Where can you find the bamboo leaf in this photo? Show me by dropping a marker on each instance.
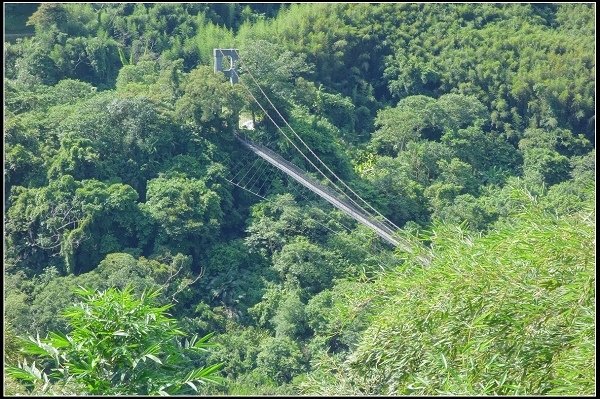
(154, 358)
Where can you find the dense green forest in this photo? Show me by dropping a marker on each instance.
(133, 266)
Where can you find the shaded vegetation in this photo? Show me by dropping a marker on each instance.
(469, 126)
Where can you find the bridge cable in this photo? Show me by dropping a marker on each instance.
(349, 230)
(264, 170)
(391, 231)
(311, 151)
(266, 199)
(249, 169)
(358, 207)
(406, 248)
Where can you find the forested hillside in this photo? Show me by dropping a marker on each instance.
(136, 267)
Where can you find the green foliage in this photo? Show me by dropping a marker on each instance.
(208, 113)
(39, 97)
(467, 211)
(48, 15)
(396, 192)
(35, 66)
(546, 153)
(91, 59)
(235, 277)
(307, 266)
(144, 72)
(56, 220)
(35, 304)
(274, 69)
(119, 344)
(562, 140)
(160, 81)
(467, 52)
(338, 109)
(277, 221)
(185, 211)
(337, 319)
(499, 314)
(422, 117)
(546, 166)
(468, 125)
(488, 153)
(129, 135)
(233, 351)
(405, 123)
(11, 344)
(289, 319)
(322, 137)
(280, 359)
(575, 18)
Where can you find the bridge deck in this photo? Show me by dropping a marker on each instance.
(324, 192)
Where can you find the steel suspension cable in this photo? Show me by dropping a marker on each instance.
(358, 206)
(266, 199)
(276, 171)
(311, 151)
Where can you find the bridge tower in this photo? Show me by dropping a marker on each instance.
(219, 55)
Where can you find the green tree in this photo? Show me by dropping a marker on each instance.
(187, 213)
(131, 136)
(74, 219)
(280, 359)
(36, 66)
(119, 345)
(48, 15)
(322, 137)
(290, 319)
(407, 122)
(275, 222)
(421, 117)
(511, 311)
(421, 160)
(392, 190)
(546, 166)
(307, 265)
(234, 278)
(209, 103)
(275, 71)
(91, 59)
(486, 152)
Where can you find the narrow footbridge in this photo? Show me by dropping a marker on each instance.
(324, 192)
(340, 195)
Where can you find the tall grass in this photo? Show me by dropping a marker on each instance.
(509, 313)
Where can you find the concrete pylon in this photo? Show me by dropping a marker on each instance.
(219, 54)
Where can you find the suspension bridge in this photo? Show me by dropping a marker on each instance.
(336, 192)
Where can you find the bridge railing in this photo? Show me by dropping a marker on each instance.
(315, 183)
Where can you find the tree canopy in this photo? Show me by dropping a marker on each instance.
(469, 128)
